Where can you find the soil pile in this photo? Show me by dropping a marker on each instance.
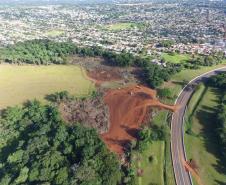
(128, 110)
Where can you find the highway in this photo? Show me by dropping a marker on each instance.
(182, 176)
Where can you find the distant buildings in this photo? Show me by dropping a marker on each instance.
(184, 23)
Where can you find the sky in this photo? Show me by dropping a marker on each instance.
(68, 1)
(48, 1)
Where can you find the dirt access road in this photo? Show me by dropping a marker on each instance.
(182, 176)
(129, 106)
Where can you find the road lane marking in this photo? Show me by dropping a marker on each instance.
(173, 125)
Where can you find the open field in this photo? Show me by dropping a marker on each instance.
(20, 83)
(152, 170)
(54, 33)
(196, 98)
(159, 170)
(167, 171)
(202, 146)
(175, 58)
(120, 26)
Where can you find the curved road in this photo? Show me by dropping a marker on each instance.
(182, 176)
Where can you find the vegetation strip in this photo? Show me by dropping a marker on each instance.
(205, 135)
(194, 102)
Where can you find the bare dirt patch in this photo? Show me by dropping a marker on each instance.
(102, 75)
(128, 111)
(99, 70)
(129, 105)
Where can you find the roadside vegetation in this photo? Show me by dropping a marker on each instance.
(204, 136)
(219, 82)
(162, 118)
(167, 93)
(148, 158)
(180, 79)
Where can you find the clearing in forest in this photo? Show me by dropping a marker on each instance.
(121, 26)
(129, 108)
(176, 58)
(102, 75)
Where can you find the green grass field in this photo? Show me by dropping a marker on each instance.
(120, 26)
(202, 146)
(197, 96)
(175, 58)
(20, 83)
(54, 33)
(176, 84)
(159, 171)
(166, 171)
(162, 172)
(153, 171)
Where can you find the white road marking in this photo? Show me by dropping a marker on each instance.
(174, 160)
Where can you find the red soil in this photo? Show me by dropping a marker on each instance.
(102, 75)
(128, 109)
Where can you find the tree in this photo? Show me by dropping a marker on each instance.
(46, 150)
(144, 134)
(164, 93)
(84, 174)
(22, 176)
(219, 81)
(166, 43)
(59, 97)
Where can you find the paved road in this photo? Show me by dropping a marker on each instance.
(182, 177)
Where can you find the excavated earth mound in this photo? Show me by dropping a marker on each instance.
(128, 110)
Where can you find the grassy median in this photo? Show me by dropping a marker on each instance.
(159, 170)
(201, 143)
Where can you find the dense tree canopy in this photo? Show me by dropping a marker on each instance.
(47, 52)
(166, 43)
(37, 52)
(219, 81)
(209, 60)
(36, 147)
(155, 75)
